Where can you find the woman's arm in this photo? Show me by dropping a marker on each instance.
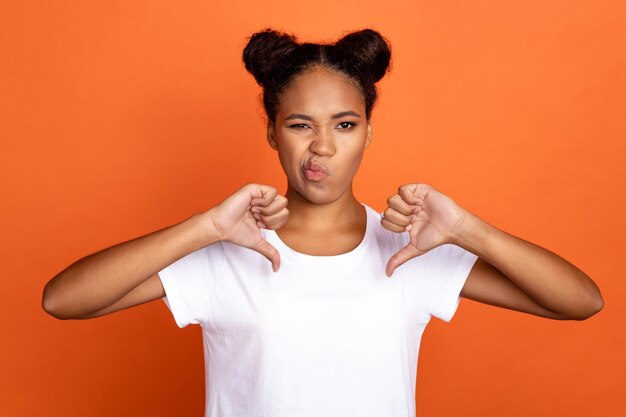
(104, 278)
(510, 272)
(125, 275)
(519, 275)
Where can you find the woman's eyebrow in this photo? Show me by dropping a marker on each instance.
(345, 113)
(334, 116)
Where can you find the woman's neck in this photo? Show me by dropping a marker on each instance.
(305, 215)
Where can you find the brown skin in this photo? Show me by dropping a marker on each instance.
(319, 210)
(537, 281)
(126, 274)
(509, 273)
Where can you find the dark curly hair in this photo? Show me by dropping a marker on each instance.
(276, 58)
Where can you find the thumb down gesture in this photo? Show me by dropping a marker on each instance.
(431, 218)
(239, 218)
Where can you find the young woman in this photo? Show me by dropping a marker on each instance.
(312, 303)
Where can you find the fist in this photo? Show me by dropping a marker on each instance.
(239, 218)
(430, 217)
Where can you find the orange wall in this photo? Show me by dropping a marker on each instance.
(119, 118)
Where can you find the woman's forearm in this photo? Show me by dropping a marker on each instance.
(100, 279)
(547, 278)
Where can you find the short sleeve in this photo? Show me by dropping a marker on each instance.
(189, 284)
(445, 270)
(434, 280)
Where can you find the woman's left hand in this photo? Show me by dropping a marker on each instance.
(430, 217)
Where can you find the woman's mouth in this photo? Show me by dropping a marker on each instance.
(314, 171)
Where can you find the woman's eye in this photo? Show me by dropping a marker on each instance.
(298, 126)
(346, 125)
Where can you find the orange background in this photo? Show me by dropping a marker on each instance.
(119, 118)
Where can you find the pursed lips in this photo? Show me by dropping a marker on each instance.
(316, 167)
(314, 171)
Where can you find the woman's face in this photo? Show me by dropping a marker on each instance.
(320, 133)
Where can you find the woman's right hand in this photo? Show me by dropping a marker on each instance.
(240, 216)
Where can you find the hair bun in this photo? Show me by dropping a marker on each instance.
(365, 52)
(275, 58)
(265, 50)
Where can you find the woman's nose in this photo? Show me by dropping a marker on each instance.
(323, 143)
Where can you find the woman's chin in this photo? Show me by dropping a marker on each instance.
(319, 195)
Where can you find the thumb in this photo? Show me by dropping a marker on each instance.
(270, 252)
(403, 255)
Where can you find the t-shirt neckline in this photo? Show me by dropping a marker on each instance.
(304, 259)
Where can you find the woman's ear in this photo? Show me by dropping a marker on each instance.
(369, 134)
(271, 135)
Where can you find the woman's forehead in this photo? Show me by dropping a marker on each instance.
(322, 92)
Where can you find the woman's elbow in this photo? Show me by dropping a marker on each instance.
(590, 308)
(52, 305)
(599, 305)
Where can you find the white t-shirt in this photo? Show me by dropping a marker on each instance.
(328, 336)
